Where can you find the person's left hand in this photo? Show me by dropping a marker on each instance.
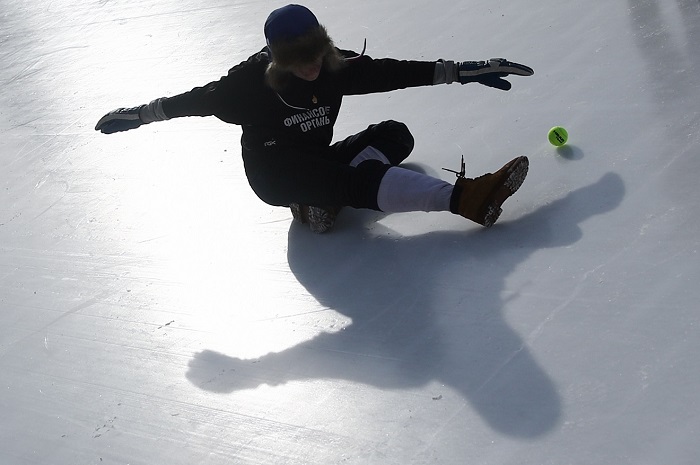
(491, 72)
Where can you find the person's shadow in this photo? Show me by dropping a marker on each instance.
(424, 308)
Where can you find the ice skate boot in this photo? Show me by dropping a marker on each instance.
(319, 219)
(480, 199)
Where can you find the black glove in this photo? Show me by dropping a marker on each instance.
(121, 119)
(491, 72)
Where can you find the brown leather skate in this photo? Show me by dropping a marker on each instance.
(480, 199)
(319, 219)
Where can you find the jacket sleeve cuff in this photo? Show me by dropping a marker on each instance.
(153, 111)
(445, 72)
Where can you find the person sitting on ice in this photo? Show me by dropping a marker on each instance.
(287, 98)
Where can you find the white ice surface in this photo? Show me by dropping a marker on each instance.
(154, 311)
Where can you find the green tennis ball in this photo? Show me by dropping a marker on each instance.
(558, 136)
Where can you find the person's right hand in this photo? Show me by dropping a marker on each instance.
(121, 119)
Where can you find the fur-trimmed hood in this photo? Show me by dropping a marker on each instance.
(300, 51)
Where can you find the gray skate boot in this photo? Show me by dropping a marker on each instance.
(319, 219)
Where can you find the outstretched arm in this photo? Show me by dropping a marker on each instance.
(365, 75)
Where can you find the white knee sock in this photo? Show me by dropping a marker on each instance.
(370, 153)
(402, 190)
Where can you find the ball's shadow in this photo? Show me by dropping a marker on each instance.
(570, 152)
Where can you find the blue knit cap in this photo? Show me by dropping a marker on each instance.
(288, 23)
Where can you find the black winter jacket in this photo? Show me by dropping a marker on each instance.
(302, 116)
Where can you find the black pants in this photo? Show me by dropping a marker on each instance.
(324, 178)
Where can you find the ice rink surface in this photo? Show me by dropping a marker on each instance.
(154, 311)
